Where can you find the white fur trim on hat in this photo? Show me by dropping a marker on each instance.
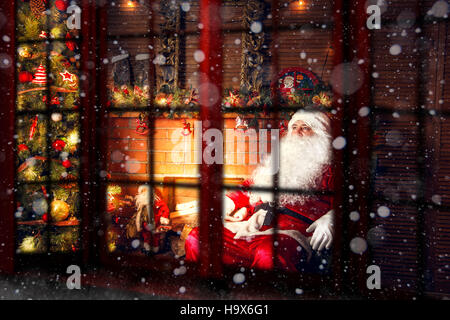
(317, 120)
(142, 56)
(119, 57)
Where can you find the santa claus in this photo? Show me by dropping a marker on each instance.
(258, 232)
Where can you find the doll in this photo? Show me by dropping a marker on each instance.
(149, 223)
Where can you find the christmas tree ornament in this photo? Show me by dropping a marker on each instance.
(24, 52)
(43, 35)
(45, 217)
(22, 147)
(59, 210)
(55, 101)
(33, 128)
(40, 206)
(241, 123)
(32, 244)
(142, 126)
(192, 99)
(56, 33)
(38, 7)
(56, 117)
(58, 145)
(125, 89)
(25, 76)
(61, 5)
(186, 128)
(40, 77)
(71, 45)
(233, 99)
(66, 163)
(73, 138)
(66, 76)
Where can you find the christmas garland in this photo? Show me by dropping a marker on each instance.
(233, 100)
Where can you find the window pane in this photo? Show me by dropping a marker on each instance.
(32, 155)
(31, 75)
(395, 153)
(393, 242)
(128, 72)
(128, 153)
(139, 228)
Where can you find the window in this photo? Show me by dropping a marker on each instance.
(47, 130)
(115, 134)
(157, 70)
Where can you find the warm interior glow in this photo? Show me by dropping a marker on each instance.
(131, 3)
(300, 5)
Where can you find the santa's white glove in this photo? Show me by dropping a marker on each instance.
(163, 220)
(323, 231)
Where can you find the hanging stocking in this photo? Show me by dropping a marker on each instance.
(142, 68)
(121, 70)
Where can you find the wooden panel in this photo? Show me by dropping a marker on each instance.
(395, 157)
(394, 76)
(126, 20)
(439, 229)
(394, 247)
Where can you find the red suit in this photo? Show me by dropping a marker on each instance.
(160, 209)
(258, 251)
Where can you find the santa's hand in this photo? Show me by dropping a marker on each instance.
(163, 220)
(323, 231)
(238, 216)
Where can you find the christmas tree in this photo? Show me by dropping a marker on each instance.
(47, 128)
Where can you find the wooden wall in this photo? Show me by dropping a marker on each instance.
(410, 146)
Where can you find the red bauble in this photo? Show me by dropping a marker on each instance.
(45, 217)
(58, 145)
(61, 5)
(66, 163)
(70, 44)
(25, 76)
(22, 147)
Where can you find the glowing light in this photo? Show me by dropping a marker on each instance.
(300, 4)
(131, 4)
(162, 101)
(73, 138)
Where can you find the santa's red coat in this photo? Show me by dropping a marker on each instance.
(258, 251)
(161, 210)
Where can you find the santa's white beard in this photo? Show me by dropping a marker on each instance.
(302, 161)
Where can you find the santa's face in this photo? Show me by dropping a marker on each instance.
(300, 128)
(303, 154)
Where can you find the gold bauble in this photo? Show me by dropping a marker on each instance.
(56, 33)
(59, 210)
(24, 52)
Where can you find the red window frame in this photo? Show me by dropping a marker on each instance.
(93, 197)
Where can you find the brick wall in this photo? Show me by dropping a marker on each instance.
(174, 155)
